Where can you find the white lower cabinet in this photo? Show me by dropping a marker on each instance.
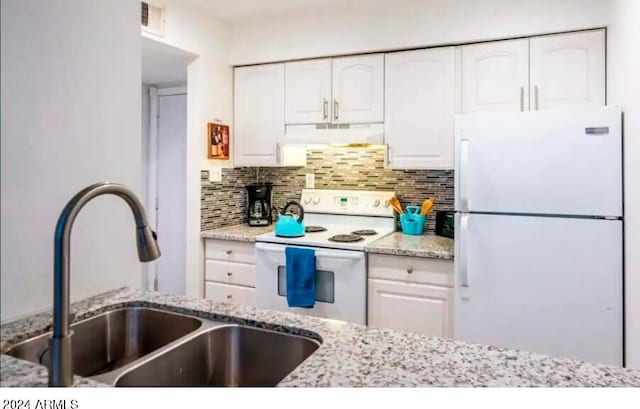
(232, 294)
(230, 272)
(411, 294)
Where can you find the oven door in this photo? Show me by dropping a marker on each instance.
(341, 279)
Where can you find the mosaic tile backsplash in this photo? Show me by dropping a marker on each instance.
(225, 203)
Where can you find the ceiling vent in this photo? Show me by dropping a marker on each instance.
(152, 19)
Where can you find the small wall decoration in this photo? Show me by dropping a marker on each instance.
(218, 141)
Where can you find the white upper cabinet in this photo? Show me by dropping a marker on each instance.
(568, 70)
(495, 76)
(308, 92)
(419, 108)
(358, 89)
(259, 118)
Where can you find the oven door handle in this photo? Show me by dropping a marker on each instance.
(275, 249)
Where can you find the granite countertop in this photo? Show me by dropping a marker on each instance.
(239, 232)
(399, 244)
(350, 354)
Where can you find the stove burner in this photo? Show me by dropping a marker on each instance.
(345, 238)
(367, 232)
(314, 229)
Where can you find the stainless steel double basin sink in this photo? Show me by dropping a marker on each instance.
(149, 347)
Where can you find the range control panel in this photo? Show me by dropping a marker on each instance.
(353, 202)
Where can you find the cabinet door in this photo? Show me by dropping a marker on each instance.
(568, 70)
(417, 308)
(495, 76)
(358, 89)
(420, 105)
(308, 91)
(258, 115)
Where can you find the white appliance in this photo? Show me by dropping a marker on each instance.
(538, 252)
(341, 267)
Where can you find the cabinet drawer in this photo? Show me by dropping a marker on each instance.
(418, 308)
(411, 269)
(232, 294)
(234, 251)
(230, 273)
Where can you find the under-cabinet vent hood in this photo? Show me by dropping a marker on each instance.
(335, 134)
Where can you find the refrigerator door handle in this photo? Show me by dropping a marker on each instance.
(464, 175)
(461, 258)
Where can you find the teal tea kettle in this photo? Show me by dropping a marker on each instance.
(289, 226)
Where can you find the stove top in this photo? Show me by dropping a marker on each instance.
(322, 239)
(341, 219)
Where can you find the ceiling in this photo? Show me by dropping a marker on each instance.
(163, 64)
(233, 10)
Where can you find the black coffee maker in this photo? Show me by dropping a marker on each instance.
(260, 204)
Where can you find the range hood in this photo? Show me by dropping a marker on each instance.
(335, 134)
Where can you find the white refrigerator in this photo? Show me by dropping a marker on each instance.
(538, 240)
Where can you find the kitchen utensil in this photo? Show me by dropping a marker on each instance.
(289, 226)
(426, 206)
(395, 203)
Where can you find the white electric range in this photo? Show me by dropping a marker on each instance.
(340, 224)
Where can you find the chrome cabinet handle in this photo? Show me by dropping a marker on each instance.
(229, 251)
(278, 153)
(537, 97)
(325, 108)
(521, 98)
(388, 155)
(335, 110)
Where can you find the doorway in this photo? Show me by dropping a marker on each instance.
(164, 139)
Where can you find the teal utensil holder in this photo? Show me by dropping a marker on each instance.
(412, 222)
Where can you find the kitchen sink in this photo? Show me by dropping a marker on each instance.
(113, 339)
(232, 355)
(148, 347)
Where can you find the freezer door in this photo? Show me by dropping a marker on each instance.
(541, 284)
(554, 162)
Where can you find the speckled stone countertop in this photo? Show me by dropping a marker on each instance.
(350, 355)
(240, 232)
(399, 244)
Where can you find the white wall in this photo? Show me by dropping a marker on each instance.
(209, 97)
(70, 117)
(624, 90)
(381, 25)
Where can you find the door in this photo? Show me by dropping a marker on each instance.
(420, 105)
(542, 284)
(358, 89)
(340, 283)
(553, 162)
(172, 193)
(418, 308)
(259, 115)
(308, 92)
(495, 76)
(568, 70)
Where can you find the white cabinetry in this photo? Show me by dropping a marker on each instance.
(411, 294)
(259, 118)
(358, 89)
(568, 70)
(230, 272)
(495, 76)
(419, 108)
(308, 92)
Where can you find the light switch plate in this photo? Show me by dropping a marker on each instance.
(310, 180)
(215, 175)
